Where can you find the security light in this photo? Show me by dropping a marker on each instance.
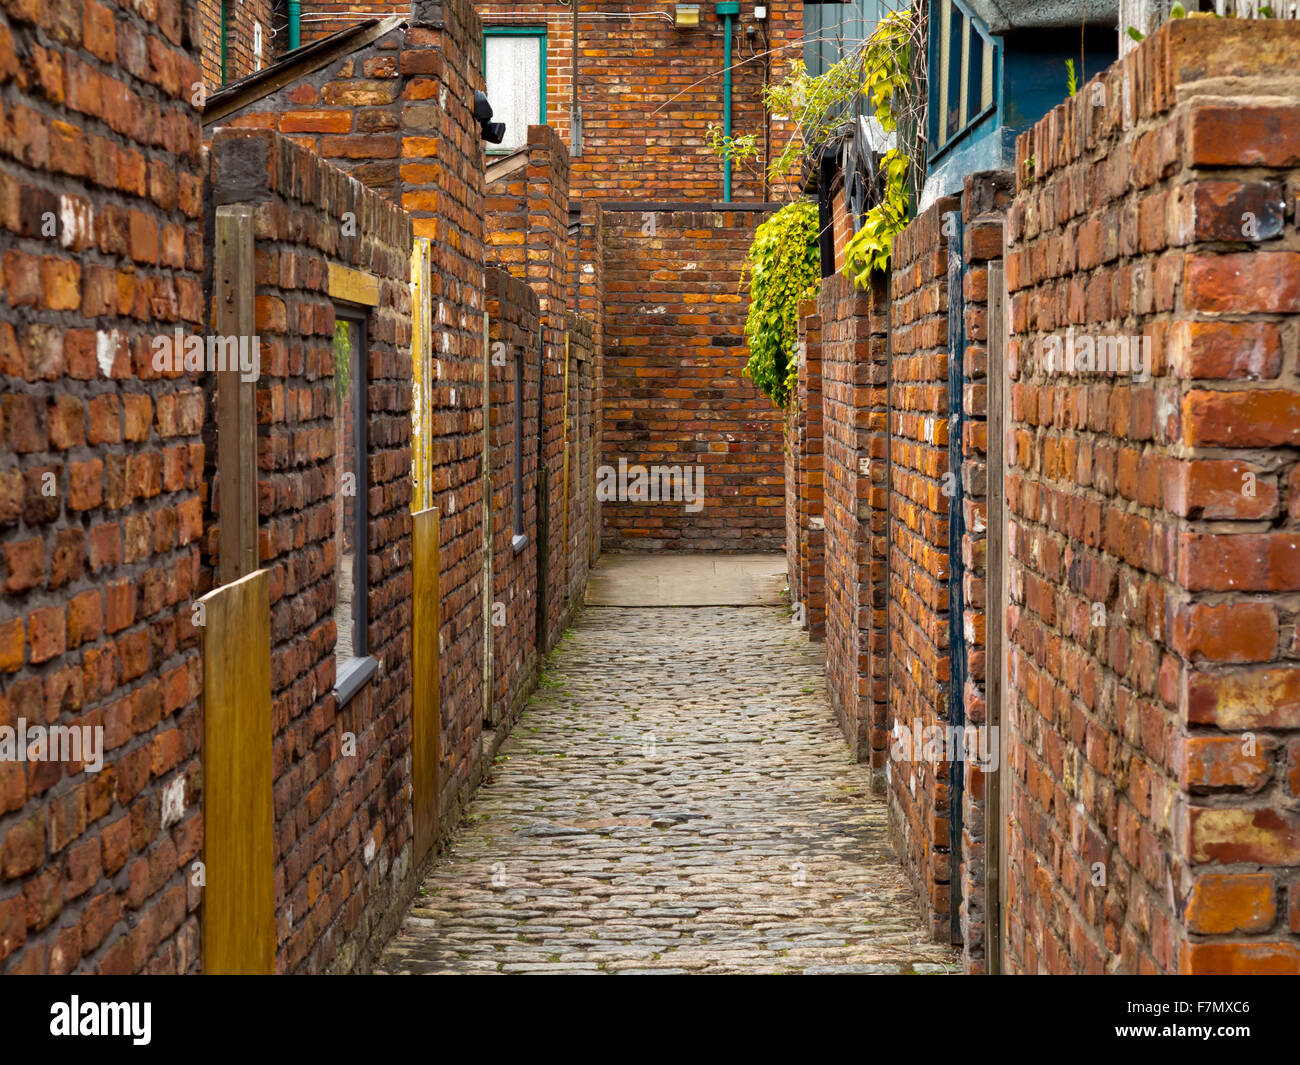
(686, 16)
(760, 12)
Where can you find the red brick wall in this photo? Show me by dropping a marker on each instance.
(580, 442)
(241, 19)
(1131, 742)
(790, 470)
(809, 473)
(588, 258)
(514, 319)
(100, 474)
(919, 663)
(649, 91)
(396, 114)
(853, 326)
(342, 824)
(673, 389)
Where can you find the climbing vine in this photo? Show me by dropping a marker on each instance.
(784, 260)
(888, 84)
(783, 267)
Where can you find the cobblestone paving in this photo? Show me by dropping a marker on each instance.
(676, 798)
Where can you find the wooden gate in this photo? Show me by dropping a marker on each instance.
(238, 855)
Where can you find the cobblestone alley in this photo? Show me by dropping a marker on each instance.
(676, 797)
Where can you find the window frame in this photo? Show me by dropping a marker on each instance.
(937, 116)
(500, 30)
(356, 672)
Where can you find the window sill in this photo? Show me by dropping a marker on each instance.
(519, 542)
(353, 679)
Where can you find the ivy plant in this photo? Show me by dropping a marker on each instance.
(784, 267)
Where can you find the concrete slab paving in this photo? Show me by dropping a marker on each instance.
(671, 579)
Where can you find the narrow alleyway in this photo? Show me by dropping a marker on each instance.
(675, 798)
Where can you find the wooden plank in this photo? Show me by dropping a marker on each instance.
(236, 398)
(426, 732)
(238, 855)
(354, 286)
(995, 618)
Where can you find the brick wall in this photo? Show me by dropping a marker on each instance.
(243, 21)
(853, 326)
(1156, 809)
(790, 470)
(342, 824)
(579, 536)
(649, 91)
(588, 258)
(919, 661)
(100, 507)
(809, 473)
(673, 390)
(514, 318)
(396, 114)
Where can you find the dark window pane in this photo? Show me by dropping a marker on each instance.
(975, 75)
(955, 36)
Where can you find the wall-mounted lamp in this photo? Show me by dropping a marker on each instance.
(686, 16)
(760, 12)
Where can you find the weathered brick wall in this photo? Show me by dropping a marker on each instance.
(673, 390)
(342, 824)
(919, 663)
(589, 299)
(243, 20)
(396, 114)
(100, 475)
(1156, 809)
(514, 322)
(790, 469)
(648, 93)
(505, 229)
(853, 327)
(580, 448)
(809, 472)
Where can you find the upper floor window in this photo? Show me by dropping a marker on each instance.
(962, 62)
(514, 64)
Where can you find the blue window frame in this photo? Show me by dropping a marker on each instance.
(963, 74)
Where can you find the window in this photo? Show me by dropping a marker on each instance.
(352, 667)
(962, 60)
(518, 420)
(514, 62)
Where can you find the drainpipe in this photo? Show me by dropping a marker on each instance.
(295, 18)
(728, 11)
